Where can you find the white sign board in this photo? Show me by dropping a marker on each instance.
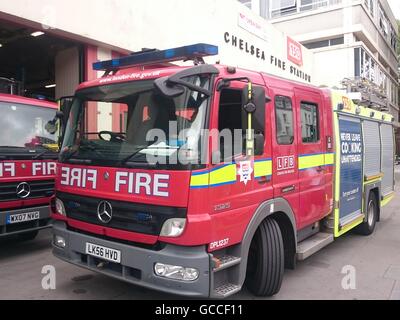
(244, 39)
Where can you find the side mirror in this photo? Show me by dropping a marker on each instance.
(63, 114)
(60, 115)
(65, 107)
(166, 89)
(259, 140)
(256, 106)
(51, 126)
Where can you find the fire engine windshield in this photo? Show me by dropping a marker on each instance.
(136, 124)
(25, 131)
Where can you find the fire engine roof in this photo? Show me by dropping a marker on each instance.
(23, 100)
(134, 74)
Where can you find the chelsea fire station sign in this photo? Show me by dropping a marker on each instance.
(245, 39)
(258, 43)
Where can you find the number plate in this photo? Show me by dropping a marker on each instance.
(23, 217)
(103, 253)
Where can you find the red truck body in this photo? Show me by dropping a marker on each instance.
(232, 210)
(26, 183)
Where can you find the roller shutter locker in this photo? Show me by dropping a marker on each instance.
(372, 148)
(387, 159)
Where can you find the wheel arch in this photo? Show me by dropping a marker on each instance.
(376, 189)
(278, 209)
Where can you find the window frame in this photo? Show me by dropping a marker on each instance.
(316, 105)
(276, 120)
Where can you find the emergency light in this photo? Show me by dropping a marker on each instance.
(158, 56)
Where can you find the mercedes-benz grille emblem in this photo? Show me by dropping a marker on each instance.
(104, 211)
(23, 190)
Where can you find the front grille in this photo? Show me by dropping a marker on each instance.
(139, 218)
(39, 189)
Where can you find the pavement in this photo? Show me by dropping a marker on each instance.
(369, 268)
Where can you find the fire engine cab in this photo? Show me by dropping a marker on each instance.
(218, 177)
(28, 158)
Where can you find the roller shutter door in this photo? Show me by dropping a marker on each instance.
(372, 148)
(387, 159)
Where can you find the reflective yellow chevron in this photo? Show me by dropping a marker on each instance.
(227, 174)
(262, 168)
(316, 160)
(200, 180)
(223, 175)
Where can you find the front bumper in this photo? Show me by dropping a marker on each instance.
(9, 229)
(137, 264)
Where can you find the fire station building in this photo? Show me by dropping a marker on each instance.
(48, 48)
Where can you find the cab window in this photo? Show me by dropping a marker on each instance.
(309, 122)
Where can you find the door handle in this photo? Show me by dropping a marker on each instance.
(288, 189)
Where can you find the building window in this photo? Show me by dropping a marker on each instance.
(282, 7)
(371, 6)
(357, 62)
(284, 120)
(247, 3)
(383, 22)
(325, 43)
(309, 122)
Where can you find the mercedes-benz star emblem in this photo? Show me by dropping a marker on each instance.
(23, 190)
(104, 211)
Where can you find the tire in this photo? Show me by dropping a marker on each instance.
(28, 236)
(368, 227)
(266, 261)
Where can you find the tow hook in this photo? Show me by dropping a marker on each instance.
(102, 265)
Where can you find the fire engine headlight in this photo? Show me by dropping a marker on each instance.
(176, 272)
(59, 242)
(173, 228)
(60, 209)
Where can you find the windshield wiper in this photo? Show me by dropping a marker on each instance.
(84, 145)
(12, 147)
(47, 151)
(136, 152)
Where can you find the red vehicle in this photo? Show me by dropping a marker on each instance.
(28, 154)
(185, 211)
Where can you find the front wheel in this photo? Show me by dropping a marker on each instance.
(368, 227)
(265, 266)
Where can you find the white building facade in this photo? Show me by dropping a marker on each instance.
(354, 43)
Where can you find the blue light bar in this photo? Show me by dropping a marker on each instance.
(153, 57)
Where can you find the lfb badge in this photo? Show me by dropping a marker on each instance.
(245, 171)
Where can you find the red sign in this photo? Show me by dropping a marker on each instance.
(295, 54)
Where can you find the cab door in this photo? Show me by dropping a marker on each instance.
(284, 147)
(311, 156)
(237, 184)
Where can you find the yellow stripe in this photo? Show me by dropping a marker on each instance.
(223, 175)
(374, 177)
(387, 199)
(262, 168)
(349, 227)
(329, 159)
(200, 180)
(312, 161)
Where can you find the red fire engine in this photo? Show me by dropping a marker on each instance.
(28, 157)
(164, 203)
